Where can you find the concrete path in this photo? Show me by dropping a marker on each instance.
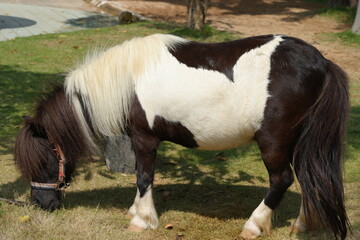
(19, 20)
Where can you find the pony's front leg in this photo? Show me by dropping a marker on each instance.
(143, 211)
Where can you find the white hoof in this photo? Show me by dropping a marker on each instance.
(259, 221)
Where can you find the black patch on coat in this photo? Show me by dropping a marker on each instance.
(145, 141)
(163, 129)
(219, 57)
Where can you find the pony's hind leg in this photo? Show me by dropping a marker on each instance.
(299, 224)
(143, 211)
(276, 152)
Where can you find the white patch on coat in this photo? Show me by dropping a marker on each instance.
(145, 216)
(219, 113)
(259, 220)
(105, 81)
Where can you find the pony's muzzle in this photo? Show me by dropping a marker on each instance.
(46, 200)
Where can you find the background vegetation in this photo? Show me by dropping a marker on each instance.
(210, 197)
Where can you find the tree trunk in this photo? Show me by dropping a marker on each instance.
(339, 3)
(356, 25)
(353, 3)
(197, 13)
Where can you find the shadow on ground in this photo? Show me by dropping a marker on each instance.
(94, 21)
(15, 22)
(216, 201)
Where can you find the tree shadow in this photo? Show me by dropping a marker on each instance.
(13, 189)
(206, 167)
(8, 22)
(294, 10)
(94, 21)
(261, 7)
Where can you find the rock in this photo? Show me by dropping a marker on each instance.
(119, 155)
(127, 17)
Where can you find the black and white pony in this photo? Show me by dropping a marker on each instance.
(275, 90)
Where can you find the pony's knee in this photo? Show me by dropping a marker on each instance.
(259, 221)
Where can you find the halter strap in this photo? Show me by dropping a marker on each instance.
(44, 186)
(61, 184)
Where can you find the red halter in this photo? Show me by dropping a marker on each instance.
(61, 184)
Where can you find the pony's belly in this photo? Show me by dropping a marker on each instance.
(219, 133)
(223, 143)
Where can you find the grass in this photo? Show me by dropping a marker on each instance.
(346, 16)
(346, 37)
(209, 198)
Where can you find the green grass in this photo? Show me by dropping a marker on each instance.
(346, 16)
(209, 198)
(347, 38)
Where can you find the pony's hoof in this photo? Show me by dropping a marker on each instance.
(134, 228)
(247, 234)
(298, 227)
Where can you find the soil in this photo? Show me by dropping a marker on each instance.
(257, 17)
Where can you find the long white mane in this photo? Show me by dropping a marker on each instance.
(104, 84)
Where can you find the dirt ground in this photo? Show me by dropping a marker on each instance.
(257, 17)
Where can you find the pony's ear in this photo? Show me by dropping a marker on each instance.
(35, 127)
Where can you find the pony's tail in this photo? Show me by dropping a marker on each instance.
(318, 155)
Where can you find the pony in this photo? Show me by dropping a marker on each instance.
(275, 90)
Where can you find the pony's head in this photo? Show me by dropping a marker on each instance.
(39, 163)
(47, 148)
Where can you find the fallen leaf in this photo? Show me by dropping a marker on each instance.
(220, 156)
(24, 218)
(170, 163)
(169, 226)
(179, 236)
